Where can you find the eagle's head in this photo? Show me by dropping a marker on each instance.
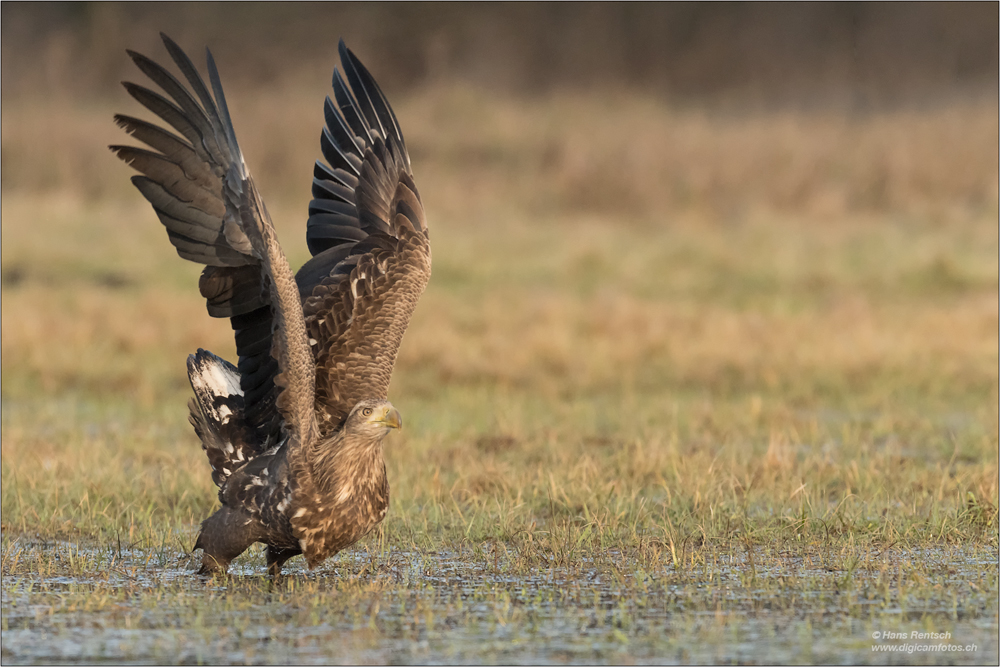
(374, 418)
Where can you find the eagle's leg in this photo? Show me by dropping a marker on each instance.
(276, 557)
(224, 536)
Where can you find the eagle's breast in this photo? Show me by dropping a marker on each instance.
(343, 505)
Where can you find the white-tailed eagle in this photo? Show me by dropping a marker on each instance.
(294, 431)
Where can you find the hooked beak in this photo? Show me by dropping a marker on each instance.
(392, 418)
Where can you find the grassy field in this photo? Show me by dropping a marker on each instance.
(685, 387)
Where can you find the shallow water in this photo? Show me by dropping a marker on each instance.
(485, 606)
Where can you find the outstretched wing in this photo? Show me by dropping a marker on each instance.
(372, 251)
(202, 192)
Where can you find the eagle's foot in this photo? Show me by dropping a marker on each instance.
(276, 557)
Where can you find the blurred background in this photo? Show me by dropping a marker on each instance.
(592, 173)
(822, 107)
(856, 54)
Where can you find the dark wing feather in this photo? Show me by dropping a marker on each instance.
(375, 104)
(201, 191)
(214, 144)
(372, 252)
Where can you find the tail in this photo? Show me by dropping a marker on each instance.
(217, 414)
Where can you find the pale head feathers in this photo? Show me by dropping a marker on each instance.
(374, 418)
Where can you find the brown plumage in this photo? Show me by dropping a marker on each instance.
(293, 432)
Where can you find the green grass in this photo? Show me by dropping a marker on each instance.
(629, 438)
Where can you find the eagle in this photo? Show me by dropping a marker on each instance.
(294, 431)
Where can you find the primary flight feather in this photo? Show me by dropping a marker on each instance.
(294, 431)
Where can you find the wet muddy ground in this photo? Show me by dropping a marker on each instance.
(481, 605)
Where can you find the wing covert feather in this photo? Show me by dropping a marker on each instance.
(372, 252)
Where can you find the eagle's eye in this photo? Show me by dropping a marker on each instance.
(366, 412)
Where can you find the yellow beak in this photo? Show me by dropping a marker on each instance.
(392, 418)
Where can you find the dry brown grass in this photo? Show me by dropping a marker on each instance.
(483, 159)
